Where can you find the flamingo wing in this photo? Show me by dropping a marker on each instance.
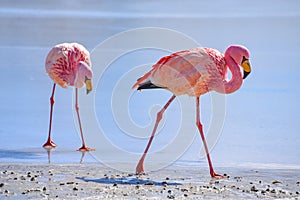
(183, 72)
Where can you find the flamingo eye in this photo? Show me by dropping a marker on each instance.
(244, 59)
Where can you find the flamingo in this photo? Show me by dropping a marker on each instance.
(195, 72)
(68, 64)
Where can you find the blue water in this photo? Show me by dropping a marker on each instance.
(262, 118)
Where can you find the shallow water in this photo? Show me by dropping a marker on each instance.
(261, 124)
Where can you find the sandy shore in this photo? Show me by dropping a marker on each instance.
(95, 181)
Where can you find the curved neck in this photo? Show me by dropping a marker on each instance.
(236, 80)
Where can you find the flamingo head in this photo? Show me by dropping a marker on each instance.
(84, 76)
(240, 55)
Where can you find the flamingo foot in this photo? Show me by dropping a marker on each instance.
(49, 144)
(217, 176)
(140, 169)
(85, 148)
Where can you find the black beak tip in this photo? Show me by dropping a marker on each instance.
(246, 74)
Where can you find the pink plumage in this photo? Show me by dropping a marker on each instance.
(62, 62)
(68, 64)
(195, 72)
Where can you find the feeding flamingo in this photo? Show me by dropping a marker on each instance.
(68, 64)
(195, 72)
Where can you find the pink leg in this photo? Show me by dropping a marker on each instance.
(199, 125)
(140, 166)
(84, 147)
(50, 143)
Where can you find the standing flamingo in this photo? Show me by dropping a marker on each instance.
(69, 64)
(195, 72)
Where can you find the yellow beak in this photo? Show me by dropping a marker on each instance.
(88, 85)
(247, 68)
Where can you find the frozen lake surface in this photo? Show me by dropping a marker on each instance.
(261, 126)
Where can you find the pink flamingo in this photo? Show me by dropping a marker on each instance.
(195, 72)
(69, 64)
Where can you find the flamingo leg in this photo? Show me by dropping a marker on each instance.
(140, 166)
(50, 143)
(84, 147)
(200, 128)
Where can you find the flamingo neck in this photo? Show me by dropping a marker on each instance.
(230, 86)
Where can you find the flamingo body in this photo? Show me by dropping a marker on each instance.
(68, 64)
(195, 72)
(62, 64)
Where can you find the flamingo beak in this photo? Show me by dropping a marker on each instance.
(247, 67)
(88, 85)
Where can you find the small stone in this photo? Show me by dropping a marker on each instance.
(171, 197)
(149, 183)
(169, 191)
(44, 188)
(253, 189)
(167, 178)
(61, 183)
(185, 195)
(273, 191)
(70, 183)
(297, 192)
(1, 184)
(32, 179)
(275, 182)
(137, 187)
(164, 183)
(6, 191)
(75, 188)
(115, 184)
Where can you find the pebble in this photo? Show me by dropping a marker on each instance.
(273, 191)
(1, 184)
(75, 189)
(253, 189)
(276, 181)
(171, 197)
(149, 183)
(164, 183)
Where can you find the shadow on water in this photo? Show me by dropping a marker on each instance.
(127, 181)
(14, 154)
